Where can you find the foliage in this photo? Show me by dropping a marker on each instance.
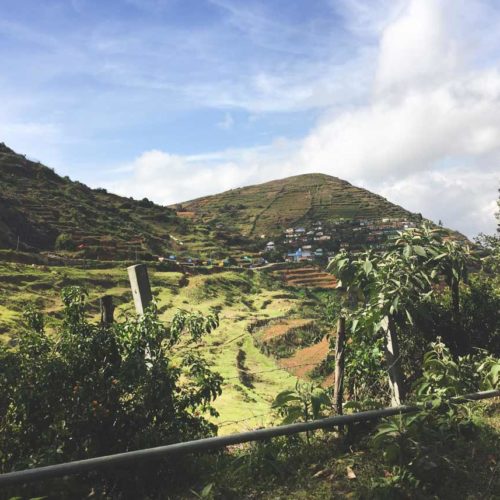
(64, 242)
(99, 390)
(306, 402)
(417, 445)
(388, 291)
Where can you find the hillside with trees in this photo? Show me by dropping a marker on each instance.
(39, 210)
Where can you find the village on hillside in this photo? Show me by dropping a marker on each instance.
(321, 240)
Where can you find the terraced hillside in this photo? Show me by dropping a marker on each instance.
(269, 208)
(307, 277)
(37, 206)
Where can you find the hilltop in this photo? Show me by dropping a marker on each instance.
(269, 208)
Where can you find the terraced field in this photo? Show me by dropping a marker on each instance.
(307, 277)
(271, 207)
(305, 360)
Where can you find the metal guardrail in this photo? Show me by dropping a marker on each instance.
(79, 466)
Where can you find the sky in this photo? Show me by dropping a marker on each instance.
(176, 99)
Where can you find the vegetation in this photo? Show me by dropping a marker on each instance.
(272, 207)
(40, 210)
(101, 389)
(233, 349)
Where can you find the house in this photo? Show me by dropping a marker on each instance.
(270, 246)
(319, 252)
(299, 255)
(300, 230)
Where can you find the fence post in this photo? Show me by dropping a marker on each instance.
(338, 388)
(141, 289)
(107, 309)
(392, 357)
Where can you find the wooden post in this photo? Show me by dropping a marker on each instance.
(338, 389)
(141, 289)
(392, 357)
(107, 309)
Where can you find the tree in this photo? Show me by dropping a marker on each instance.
(64, 242)
(103, 389)
(391, 286)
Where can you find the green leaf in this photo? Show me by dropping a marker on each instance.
(285, 397)
(367, 266)
(420, 250)
(205, 492)
(408, 315)
(294, 413)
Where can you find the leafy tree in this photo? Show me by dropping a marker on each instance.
(390, 288)
(64, 242)
(99, 390)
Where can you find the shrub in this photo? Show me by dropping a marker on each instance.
(64, 242)
(99, 390)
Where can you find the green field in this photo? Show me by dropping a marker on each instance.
(243, 297)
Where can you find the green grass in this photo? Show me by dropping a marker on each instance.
(239, 295)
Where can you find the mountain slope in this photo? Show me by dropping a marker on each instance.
(37, 205)
(271, 207)
(41, 211)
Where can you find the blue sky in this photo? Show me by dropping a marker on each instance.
(173, 99)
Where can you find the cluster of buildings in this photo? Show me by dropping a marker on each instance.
(322, 240)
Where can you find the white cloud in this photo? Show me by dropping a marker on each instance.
(428, 138)
(462, 198)
(417, 49)
(168, 178)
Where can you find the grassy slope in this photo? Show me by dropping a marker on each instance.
(271, 207)
(243, 296)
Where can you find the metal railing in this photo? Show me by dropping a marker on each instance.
(201, 445)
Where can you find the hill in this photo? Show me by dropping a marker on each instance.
(37, 206)
(269, 208)
(42, 211)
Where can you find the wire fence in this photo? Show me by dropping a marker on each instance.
(246, 419)
(207, 444)
(280, 368)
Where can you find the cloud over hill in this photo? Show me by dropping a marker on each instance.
(427, 137)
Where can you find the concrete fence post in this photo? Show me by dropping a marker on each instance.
(141, 289)
(107, 309)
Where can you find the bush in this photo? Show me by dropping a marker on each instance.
(99, 390)
(423, 447)
(64, 242)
